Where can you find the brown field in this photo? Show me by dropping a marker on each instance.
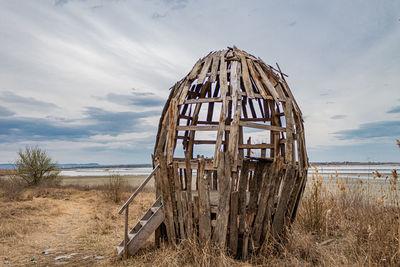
(339, 223)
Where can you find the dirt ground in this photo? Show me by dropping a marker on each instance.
(64, 227)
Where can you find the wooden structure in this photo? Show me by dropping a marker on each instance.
(240, 115)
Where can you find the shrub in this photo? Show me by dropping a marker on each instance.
(34, 166)
(12, 188)
(113, 187)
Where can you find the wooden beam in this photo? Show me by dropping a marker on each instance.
(202, 100)
(262, 126)
(198, 128)
(255, 146)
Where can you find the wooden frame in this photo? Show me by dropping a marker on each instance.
(249, 188)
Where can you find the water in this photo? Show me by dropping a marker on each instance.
(135, 171)
(352, 171)
(363, 171)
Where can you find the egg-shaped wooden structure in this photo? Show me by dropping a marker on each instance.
(232, 154)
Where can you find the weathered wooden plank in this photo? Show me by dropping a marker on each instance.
(264, 194)
(224, 189)
(262, 126)
(278, 223)
(267, 82)
(179, 201)
(257, 80)
(223, 81)
(244, 175)
(173, 117)
(214, 66)
(236, 102)
(203, 100)
(195, 215)
(204, 70)
(290, 158)
(188, 172)
(254, 187)
(245, 246)
(246, 77)
(204, 204)
(256, 119)
(171, 189)
(199, 128)
(254, 146)
(167, 203)
(185, 212)
(233, 227)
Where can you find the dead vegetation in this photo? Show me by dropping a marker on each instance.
(339, 223)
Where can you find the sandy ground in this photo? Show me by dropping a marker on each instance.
(64, 227)
(133, 180)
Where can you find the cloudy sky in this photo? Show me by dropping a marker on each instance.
(86, 80)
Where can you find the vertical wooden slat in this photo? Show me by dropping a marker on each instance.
(233, 228)
(189, 195)
(289, 153)
(179, 201)
(173, 117)
(279, 218)
(267, 82)
(276, 178)
(167, 203)
(245, 246)
(246, 77)
(204, 70)
(261, 210)
(214, 66)
(204, 204)
(236, 101)
(244, 174)
(185, 212)
(223, 81)
(224, 189)
(256, 78)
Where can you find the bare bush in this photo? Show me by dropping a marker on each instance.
(12, 188)
(113, 188)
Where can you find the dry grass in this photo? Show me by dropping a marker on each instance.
(339, 223)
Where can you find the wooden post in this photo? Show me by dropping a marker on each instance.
(126, 233)
(179, 201)
(244, 174)
(189, 195)
(204, 204)
(167, 203)
(224, 189)
(233, 228)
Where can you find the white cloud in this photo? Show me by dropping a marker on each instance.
(74, 53)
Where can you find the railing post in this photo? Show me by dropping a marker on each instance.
(126, 233)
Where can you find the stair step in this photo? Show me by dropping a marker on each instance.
(154, 209)
(131, 236)
(143, 229)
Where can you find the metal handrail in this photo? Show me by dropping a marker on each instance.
(143, 184)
